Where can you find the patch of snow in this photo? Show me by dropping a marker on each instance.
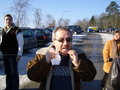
(105, 37)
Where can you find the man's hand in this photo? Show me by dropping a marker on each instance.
(74, 57)
(50, 54)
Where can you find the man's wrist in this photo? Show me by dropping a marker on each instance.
(77, 64)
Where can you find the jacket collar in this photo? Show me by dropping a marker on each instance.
(7, 30)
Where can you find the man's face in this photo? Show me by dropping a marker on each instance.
(8, 21)
(117, 36)
(63, 42)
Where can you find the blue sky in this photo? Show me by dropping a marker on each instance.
(71, 9)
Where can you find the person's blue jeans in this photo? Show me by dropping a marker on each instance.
(11, 71)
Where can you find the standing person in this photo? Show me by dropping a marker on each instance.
(111, 50)
(61, 67)
(12, 49)
(113, 80)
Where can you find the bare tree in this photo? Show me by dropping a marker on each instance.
(83, 23)
(37, 19)
(50, 21)
(60, 21)
(63, 22)
(66, 22)
(19, 9)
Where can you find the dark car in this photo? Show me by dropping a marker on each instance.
(75, 29)
(48, 33)
(43, 36)
(50, 29)
(30, 40)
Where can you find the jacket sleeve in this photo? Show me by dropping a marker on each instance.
(106, 51)
(20, 40)
(38, 68)
(113, 82)
(86, 69)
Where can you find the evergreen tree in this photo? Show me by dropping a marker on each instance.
(92, 21)
(113, 8)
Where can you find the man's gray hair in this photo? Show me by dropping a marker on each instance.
(59, 28)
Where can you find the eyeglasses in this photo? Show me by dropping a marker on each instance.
(62, 40)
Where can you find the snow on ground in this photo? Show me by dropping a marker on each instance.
(25, 82)
(105, 37)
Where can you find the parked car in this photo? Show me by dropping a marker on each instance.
(75, 29)
(49, 33)
(43, 36)
(50, 29)
(30, 40)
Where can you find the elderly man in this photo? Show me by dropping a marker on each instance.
(61, 67)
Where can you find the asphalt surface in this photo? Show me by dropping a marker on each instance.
(92, 46)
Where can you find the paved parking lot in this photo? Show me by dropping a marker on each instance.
(87, 45)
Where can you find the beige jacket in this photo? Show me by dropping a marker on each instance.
(109, 51)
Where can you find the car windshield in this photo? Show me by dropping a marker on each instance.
(38, 32)
(27, 33)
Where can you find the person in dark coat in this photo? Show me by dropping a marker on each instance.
(12, 49)
(61, 67)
